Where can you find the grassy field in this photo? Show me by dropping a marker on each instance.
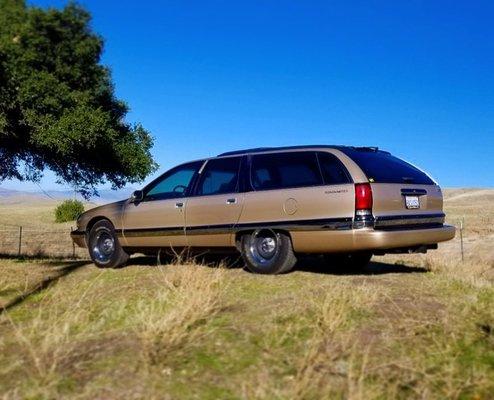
(415, 326)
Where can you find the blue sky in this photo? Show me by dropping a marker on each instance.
(415, 78)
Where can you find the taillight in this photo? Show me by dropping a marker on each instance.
(363, 197)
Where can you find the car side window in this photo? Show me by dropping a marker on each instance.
(333, 171)
(219, 176)
(174, 183)
(285, 170)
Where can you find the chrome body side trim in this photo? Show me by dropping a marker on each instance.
(406, 220)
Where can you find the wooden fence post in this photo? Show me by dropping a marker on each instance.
(73, 245)
(461, 240)
(20, 242)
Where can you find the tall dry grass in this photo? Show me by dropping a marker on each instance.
(329, 365)
(175, 316)
(45, 343)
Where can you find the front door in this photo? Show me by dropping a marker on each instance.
(216, 205)
(159, 219)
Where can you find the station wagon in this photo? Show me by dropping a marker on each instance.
(273, 205)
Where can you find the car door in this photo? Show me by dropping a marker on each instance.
(158, 220)
(216, 205)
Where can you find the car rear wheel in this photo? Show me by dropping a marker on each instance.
(268, 252)
(351, 262)
(104, 247)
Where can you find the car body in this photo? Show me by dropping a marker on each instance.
(350, 201)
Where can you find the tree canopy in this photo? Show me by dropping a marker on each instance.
(58, 109)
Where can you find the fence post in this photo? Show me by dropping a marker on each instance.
(20, 242)
(461, 240)
(73, 245)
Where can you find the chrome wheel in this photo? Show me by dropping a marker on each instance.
(264, 246)
(104, 246)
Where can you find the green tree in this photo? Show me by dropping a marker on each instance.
(58, 108)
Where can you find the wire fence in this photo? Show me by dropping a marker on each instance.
(38, 242)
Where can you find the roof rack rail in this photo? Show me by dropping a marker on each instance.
(366, 148)
(253, 150)
(338, 147)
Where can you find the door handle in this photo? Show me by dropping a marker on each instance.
(231, 201)
(179, 205)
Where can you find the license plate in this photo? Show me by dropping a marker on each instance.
(412, 202)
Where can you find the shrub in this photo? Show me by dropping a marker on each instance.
(69, 210)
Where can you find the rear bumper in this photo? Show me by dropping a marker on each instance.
(79, 238)
(369, 239)
(379, 239)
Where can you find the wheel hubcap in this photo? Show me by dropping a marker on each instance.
(104, 246)
(267, 246)
(264, 246)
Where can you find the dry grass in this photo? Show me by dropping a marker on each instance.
(174, 317)
(331, 351)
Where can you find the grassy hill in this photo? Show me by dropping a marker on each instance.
(412, 326)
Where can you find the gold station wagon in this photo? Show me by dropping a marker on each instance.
(274, 204)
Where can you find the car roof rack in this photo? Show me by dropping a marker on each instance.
(375, 149)
(253, 150)
(264, 149)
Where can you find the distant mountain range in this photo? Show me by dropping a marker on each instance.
(105, 195)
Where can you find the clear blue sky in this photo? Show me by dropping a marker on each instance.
(415, 77)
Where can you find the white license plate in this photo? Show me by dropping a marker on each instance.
(412, 202)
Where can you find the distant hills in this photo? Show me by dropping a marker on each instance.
(106, 195)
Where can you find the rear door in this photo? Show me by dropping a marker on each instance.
(400, 190)
(216, 205)
(290, 192)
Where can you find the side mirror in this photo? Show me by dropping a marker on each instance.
(137, 196)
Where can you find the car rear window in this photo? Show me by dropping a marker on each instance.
(285, 170)
(333, 171)
(382, 167)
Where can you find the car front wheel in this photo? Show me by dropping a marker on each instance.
(267, 252)
(104, 247)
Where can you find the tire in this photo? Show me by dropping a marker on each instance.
(267, 252)
(104, 247)
(351, 262)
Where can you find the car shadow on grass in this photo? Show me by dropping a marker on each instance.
(207, 260)
(319, 266)
(305, 264)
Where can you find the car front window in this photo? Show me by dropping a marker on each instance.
(173, 184)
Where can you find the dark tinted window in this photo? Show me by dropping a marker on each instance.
(333, 171)
(220, 176)
(285, 170)
(382, 167)
(174, 183)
